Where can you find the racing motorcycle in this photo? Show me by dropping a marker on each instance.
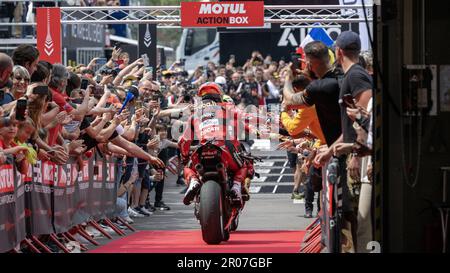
(215, 207)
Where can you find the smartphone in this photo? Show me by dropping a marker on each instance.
(232, 56)
(296, 64)
(84, 84)
(40, 90)
(349, 101)
(146, 60)
(98, 79)
(21, 107)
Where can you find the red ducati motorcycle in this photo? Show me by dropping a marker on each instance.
(215, 208)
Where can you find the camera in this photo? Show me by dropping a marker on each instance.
(109, 71)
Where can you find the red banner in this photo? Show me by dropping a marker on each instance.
(49, 34)
(222, 14)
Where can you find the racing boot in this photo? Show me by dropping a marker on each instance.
(192, 191)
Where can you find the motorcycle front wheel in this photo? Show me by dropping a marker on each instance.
(211, 213)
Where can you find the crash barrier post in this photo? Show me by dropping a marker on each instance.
(55, 199)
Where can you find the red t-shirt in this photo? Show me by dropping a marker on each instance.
(61, 100)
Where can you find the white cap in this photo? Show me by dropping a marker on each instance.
(220, 80)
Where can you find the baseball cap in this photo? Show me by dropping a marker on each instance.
(349, 40)
(220, 80)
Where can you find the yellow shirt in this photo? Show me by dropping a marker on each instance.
(305, 118)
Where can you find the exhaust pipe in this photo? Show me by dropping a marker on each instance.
(199, 168)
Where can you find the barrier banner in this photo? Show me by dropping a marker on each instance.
(39, 199)
(97, 169)
(10, 231)
(21, 183)
(109, 195)
(64, 195)
(54, 198)
(82, 188)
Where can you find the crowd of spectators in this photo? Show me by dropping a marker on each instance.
(325, 114)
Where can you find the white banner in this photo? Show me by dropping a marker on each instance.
(365, 43)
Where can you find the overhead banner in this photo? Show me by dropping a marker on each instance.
(222, 14)
(362, 28)
(49, 34)
(147, 47)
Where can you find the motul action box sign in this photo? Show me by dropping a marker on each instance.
(222, 14)
(49, 34)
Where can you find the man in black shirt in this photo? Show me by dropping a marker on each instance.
(324, 94)
(358, 83)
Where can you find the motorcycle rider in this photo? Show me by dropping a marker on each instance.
(218, 121)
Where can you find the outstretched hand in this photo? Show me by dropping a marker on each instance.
(156, 162)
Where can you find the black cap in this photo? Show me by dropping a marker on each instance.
(349, 40)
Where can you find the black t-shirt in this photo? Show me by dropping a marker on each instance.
(324, 94)
(355, 81)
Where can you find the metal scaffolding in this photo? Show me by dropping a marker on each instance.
(288, 16)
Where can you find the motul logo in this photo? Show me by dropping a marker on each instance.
(208, 8)
(222, 14)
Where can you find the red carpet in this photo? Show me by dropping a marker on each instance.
(190, 241)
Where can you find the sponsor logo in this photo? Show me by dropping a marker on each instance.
(147, 37)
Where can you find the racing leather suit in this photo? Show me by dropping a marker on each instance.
(223, 123)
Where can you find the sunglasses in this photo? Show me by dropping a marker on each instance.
(20, 79)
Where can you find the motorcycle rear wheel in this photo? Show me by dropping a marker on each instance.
(211, 213)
